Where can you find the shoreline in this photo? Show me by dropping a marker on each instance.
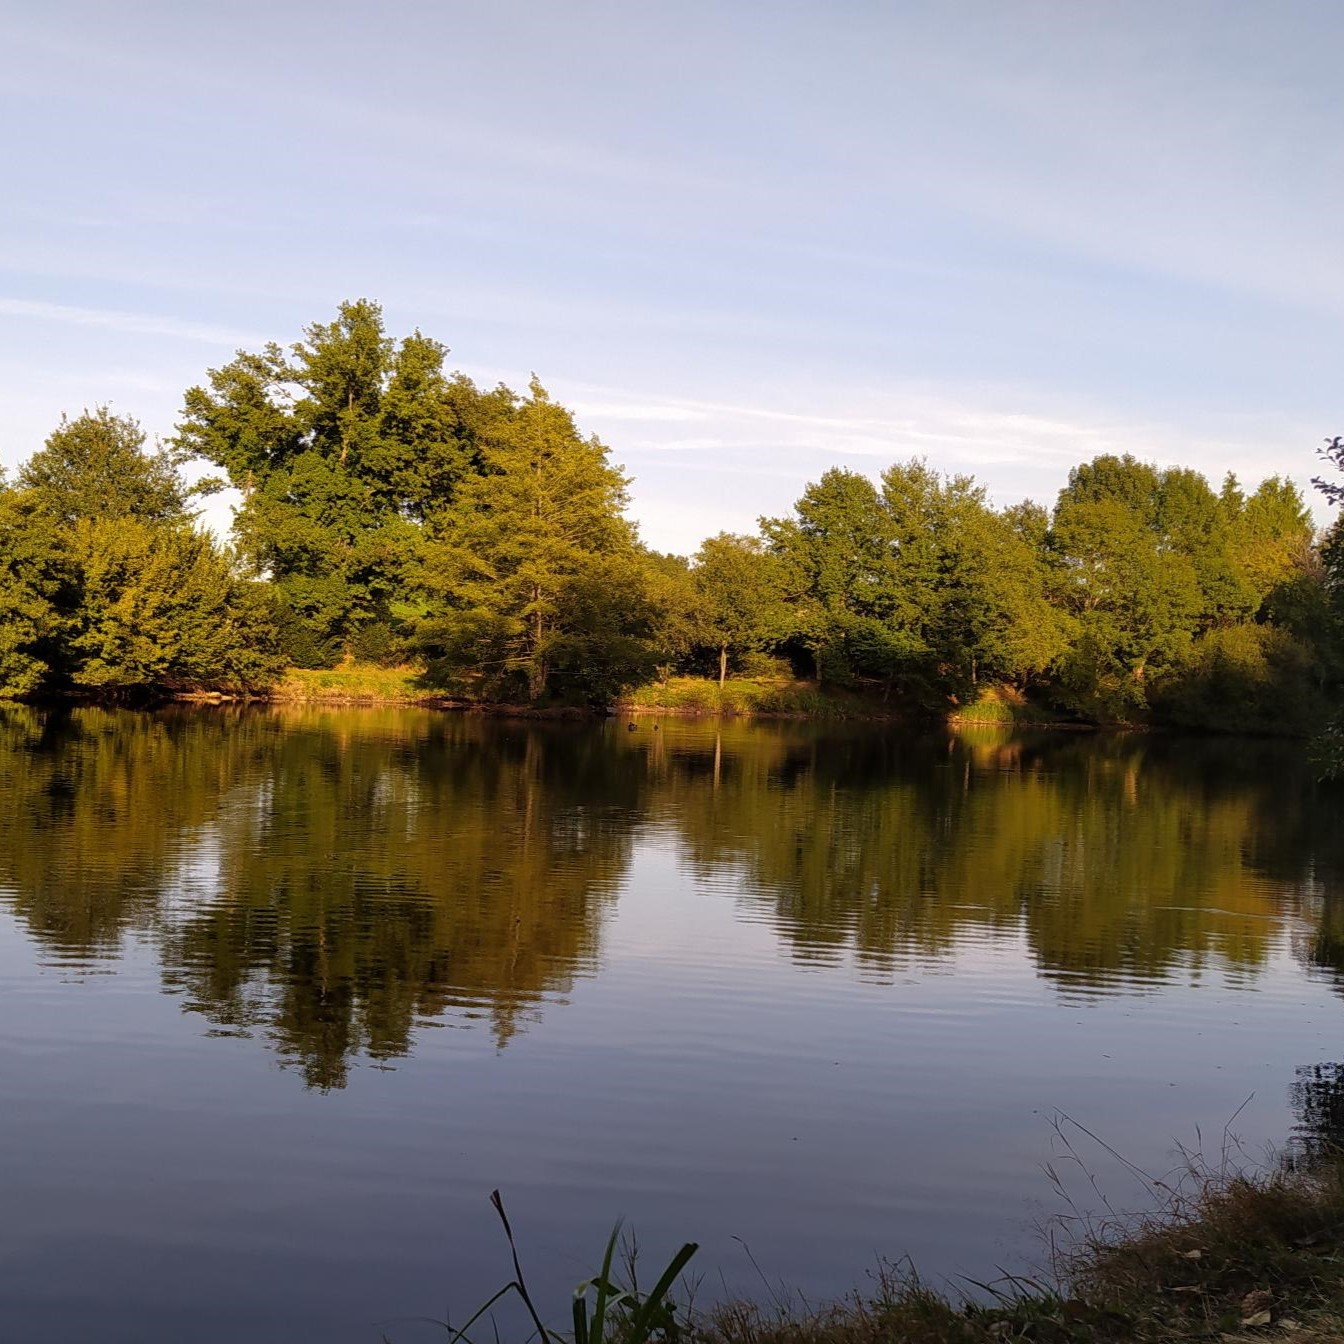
(1225, 1253)
(738, 700)
(336, 699)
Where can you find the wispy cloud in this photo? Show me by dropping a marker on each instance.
(131, 324)
(961, 425)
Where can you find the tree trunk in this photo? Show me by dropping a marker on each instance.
(723, 665)
(816, 662)
(536, 669)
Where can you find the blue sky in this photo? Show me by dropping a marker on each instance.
(746, 241)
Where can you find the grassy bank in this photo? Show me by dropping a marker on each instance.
(354, 684)
(1228, 1256)
(752, 696)
(367, 684)
(1004, 707)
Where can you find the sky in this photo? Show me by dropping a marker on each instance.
(745, 241)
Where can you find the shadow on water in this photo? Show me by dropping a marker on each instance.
(328, 882)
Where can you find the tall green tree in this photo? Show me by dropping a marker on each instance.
(837, 560)
(165, 607)
(503, 564)
(969, 586)
(741, 588)
(669, 588)
(1136, 603)
(341, 446)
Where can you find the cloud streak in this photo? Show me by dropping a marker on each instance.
(130, 324)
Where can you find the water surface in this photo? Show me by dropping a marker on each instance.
(285, 994)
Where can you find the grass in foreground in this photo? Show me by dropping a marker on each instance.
(1229, 1256)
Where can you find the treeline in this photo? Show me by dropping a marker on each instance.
(394, 512)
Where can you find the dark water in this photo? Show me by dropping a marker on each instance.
(283, 996)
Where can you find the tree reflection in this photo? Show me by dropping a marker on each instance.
(1318, 1099)
(330, 882)
(326, 881)
(1118, 859)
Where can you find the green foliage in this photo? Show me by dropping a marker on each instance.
(605, 642)
(340, 448)
(1156, 570)
(96, 467)
(1327, 749)
(512, 567)
(1246, 678)
(392, 510)
(352, 683)
(34, 578)
(377, 642)
(740, 592)
(603, 1310)
(749, 695)
(164, 608)
(106, 586)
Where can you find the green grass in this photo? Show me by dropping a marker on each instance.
(1001, 706)
(749, 696)
(353, 683)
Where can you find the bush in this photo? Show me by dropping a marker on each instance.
(764, 665)
(376, 642)
(1246, 678)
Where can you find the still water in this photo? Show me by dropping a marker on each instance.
(285, 994)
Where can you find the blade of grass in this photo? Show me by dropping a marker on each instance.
(519, 1282)
(599, 1323)
(640, 1325)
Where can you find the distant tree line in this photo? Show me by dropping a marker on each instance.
(392, 511)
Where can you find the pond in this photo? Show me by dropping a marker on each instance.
(284, 994)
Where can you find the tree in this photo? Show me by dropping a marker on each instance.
(1109, 479)
(968, 583)
(95, 467)
(105, 583)
(341, 449)
(607, 640)
(501, 562)
(33, 578)
(165, 607)
(670, 591)
(741, 596)
(836, 556)
(1270, 536)
(1136, 602)
(1152, 563)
